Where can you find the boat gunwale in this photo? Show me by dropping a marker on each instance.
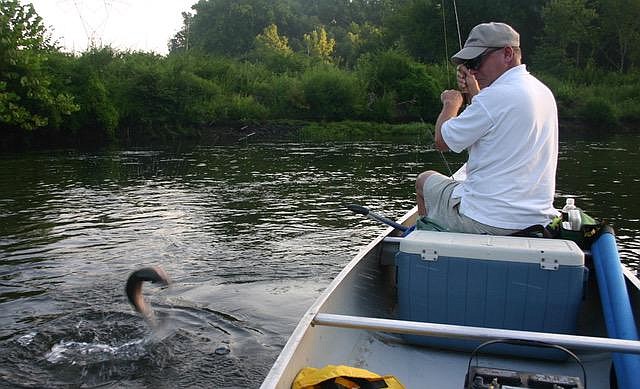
(275, 374)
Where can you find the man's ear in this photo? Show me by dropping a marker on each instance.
(509, 54)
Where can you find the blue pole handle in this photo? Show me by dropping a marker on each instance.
(359, 209)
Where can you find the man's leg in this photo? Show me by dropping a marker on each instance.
(422, 177)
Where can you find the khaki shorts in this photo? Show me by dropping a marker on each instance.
(445, 210)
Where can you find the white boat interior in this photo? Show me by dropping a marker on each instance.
(354, 322)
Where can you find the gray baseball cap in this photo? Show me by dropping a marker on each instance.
(484, 36)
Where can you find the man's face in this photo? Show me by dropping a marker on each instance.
(487, 67)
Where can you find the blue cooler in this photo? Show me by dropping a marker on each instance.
(517, 283)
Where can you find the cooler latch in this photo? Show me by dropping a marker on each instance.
(549, 264)
(429, 255)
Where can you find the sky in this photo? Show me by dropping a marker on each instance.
(137, 25)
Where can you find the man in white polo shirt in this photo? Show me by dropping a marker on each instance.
(510, 129)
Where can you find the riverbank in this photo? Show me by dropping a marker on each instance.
(305, 131)
(231, 132)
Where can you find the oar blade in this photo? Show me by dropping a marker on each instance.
(359, 209)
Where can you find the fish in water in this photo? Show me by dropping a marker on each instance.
(153, 274)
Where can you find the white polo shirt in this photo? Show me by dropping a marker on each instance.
(511, 132)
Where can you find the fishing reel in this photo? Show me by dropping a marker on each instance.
(492, 378)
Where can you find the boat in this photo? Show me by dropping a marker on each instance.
(359, 321)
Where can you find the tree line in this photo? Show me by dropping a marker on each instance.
(257, 61)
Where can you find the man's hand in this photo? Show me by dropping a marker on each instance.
(467, 83)
(451, 100)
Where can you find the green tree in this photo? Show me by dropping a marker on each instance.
(620, 38)
(273, 50)
(180, 41)
(567, 26)
(92, 82)
(27, 100)
(418, 27)
(229, 27)
(360, 39)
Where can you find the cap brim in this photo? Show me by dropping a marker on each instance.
(467, 53)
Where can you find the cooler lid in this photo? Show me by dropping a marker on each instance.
(549, 253)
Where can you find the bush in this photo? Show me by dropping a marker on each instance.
(283, 95)
(239, 107)
(99, 116)
(332, 94)
(393, 73)
(599, 112)
(364, 131)
(381, 108)
(630, 111)
(282, 63)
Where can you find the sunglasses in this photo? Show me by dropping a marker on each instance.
(474, 63)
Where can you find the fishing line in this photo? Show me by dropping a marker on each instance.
(446, 164)
(446, 53)
(446, 47)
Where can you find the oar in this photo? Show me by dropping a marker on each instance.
(371, 215)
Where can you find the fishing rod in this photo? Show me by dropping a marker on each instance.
(455, 10)
(465, 95)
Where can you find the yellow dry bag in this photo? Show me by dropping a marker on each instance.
(346, 377)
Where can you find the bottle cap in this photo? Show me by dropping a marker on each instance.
(571, 201)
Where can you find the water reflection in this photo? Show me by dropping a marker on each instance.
(250, 235)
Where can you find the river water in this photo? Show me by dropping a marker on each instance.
(250, 233)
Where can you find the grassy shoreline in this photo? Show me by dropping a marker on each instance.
(349, 130)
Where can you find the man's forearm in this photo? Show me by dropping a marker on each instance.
(448, 111)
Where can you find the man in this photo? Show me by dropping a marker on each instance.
(510, 130)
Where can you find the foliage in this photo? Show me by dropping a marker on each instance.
(274, 52)
(351, 61)
(229, 27)
(423, 41)
(620, 33)
(27, 100)
(612, 100)
(360, 39)
(567, 32)
(239, 107)
(319, 45)
(599, 112)
(180, 41)
(396, 74)
(284, 95)
(363, 131)
(331, 94)
(270, 40)
(97, 117)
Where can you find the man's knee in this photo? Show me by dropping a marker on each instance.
(422, 178)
